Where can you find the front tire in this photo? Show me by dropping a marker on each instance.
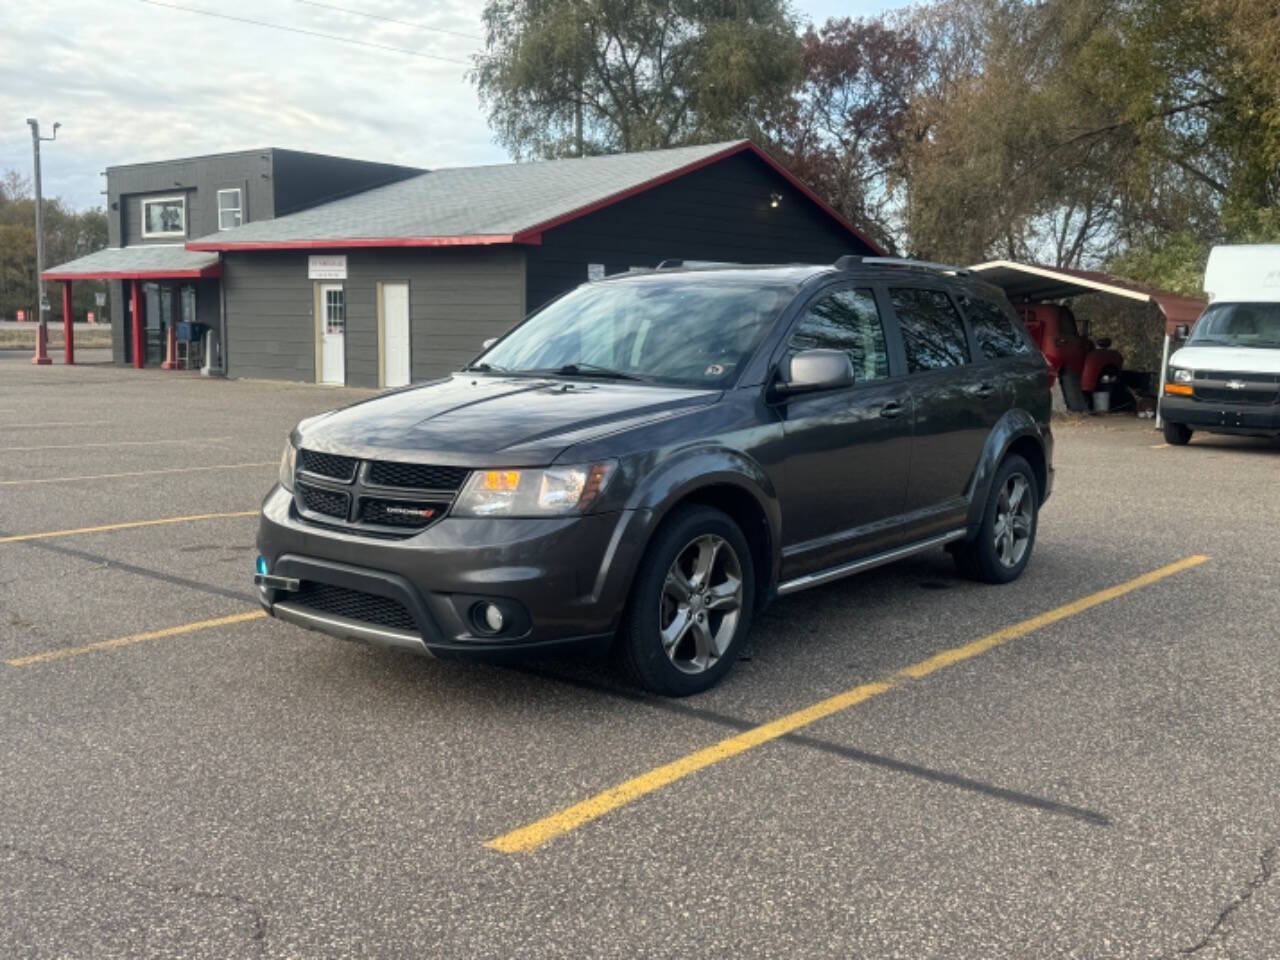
(1007, 534)
(690, 608)
(1176, 434)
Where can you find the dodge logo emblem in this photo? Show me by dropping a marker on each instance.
(1235, 384)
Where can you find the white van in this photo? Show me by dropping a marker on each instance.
(1227, 377)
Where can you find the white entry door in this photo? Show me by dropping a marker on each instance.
(333, 334)
(395, 334)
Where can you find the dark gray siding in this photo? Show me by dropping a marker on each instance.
(720, 212)
(270, 316)
(199, 178)
(458, 298)
(303, 180)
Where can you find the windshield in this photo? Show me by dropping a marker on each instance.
(1238, 325)
(691, 331)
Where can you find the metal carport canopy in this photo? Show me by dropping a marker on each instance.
(1029, 281)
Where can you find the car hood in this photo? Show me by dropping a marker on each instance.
(481, 420)
(1228, 359)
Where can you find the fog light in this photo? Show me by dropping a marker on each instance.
(262, 566)
(493, 618)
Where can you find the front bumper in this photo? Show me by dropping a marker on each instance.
(565, 580)
(1253, 419)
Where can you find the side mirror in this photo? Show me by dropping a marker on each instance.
(1182, 331)
(812, 370)
(489, 343)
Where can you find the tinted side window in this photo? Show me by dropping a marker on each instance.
(846, 320)
(998, 335)
(932, 330)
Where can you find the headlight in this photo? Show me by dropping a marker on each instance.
(1183, 376)
(555, 491)
(288, 463)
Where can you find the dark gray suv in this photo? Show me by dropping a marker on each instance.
(647, 461)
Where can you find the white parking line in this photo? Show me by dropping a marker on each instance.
(114, 443)
(137, 473)
(50, 423)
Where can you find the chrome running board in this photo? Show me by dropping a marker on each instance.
(345, 628)
(866, 563)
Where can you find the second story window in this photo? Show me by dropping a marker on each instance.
(230, 209)
(164, 217)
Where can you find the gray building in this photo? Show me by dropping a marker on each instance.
(371, 275)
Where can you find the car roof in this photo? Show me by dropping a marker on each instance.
(798, 274)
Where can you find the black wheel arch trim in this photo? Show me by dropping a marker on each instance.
(1014, 426)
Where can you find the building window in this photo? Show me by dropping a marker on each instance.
(164, 217)
(230, 210)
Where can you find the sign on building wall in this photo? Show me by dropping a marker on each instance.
(327, 266)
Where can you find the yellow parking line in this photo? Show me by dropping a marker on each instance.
(540, 832)
(1159, 446)
(138, 473)
(20, 537)
(64, 652)
(113, 443)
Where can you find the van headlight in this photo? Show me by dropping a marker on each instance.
(551, 492)
(1182, 375)
(288, 464)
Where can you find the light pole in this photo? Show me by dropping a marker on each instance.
(42, 307)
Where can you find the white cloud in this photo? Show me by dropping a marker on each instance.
(132, 82)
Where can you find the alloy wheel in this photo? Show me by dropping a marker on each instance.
(701, 603)
(1014, 521)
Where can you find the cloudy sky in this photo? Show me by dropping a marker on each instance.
(131, 80)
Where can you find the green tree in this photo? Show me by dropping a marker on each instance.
(573, 77)
(67, 234)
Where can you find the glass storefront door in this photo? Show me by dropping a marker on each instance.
(162, 305)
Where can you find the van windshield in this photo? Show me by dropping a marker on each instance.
(686, 331)
(1238, 325)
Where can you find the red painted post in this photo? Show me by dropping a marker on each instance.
(42, 346)
(135, 303)
(68, 325)
(171, 349)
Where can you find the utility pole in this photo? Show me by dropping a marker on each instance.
(42, 307)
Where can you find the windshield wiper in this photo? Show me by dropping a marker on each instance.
(483, 367)
(582, 369)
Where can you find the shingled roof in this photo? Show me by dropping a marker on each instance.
(140, 262)
(503, 203)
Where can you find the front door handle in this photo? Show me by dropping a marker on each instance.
(891, 409)
(985, 391)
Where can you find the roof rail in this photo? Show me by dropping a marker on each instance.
(695, 264)
(849, 261)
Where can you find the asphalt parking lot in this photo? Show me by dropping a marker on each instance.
(1083, 763)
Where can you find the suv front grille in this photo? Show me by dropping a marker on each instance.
(328, 465)
(377, 498)
(330, 503)
(387, 473)
(355, 605)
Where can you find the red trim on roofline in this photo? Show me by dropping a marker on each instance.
(736, 148)
(213, 270)
(532, 237)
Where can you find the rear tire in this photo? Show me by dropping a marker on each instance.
(690, 608)
(1007, 533)
(1176, 434)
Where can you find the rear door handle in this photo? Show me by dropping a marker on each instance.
(985, 391)
(891, 409)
